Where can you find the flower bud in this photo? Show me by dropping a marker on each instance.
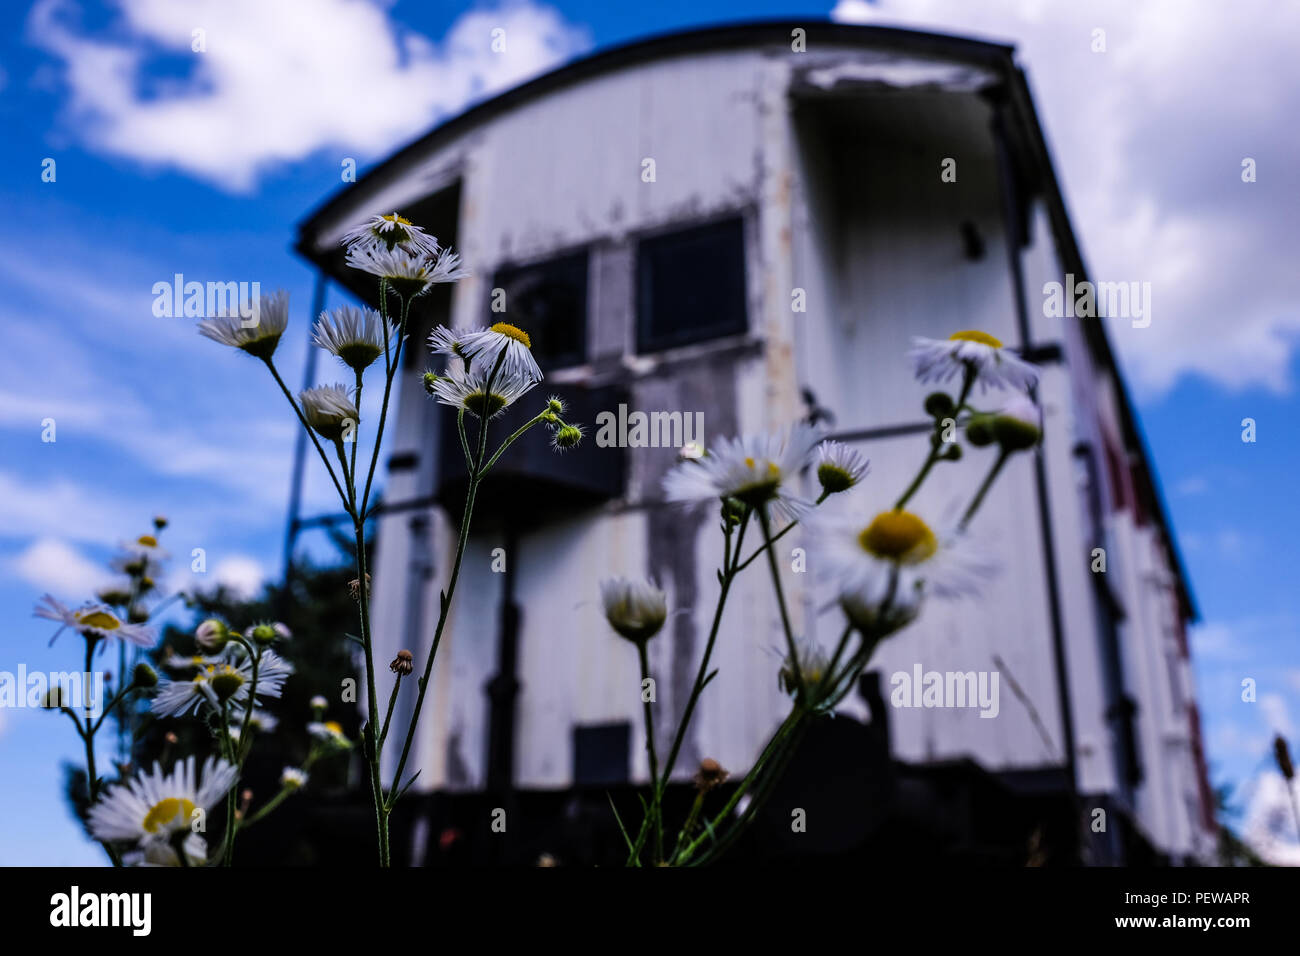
(403, 664)
(939, 405)
(266, 634)
(144, 676)
(566, 437)
(292, 778)
(1018, 425)
(691, 451)
(634, 609)
(212, 635)
(979, 430)
(710, 775)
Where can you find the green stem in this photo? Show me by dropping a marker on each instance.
(967, 383)
(372, 695)
(728, 575)
(391, 373)
(650, 750)
(984, 488)
(729, 572)
(392, 700)
(765, 524)
(774, 747)
(510, 441)
(445, 609)
(310, 433)
(228, 857)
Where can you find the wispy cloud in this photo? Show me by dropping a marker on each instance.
(278, 81)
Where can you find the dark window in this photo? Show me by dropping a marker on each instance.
(600, 754)
(548, 300)
(691, 286)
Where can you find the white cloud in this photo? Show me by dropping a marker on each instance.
(51, 564)
(1276, 714)
(1269, 824)
(1149, 138)
(241, 574)
(280, 80)
(1191, 486)
(62, 509)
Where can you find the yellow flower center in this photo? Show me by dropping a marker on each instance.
(164, 812)
(100, 620)
(148, 540)
(899, 536)
(974, 335)
(512, 332)
(226, 682)
(400, 220)
(833, 478)
(484, 404)
(334, 727)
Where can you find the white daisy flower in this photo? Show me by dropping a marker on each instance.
(810, 670)
(145, 549)
(328, 732)
(152, 808)
(224, 678)
(293, 779)
(409, 275)
(938, 360)
(391, 232)
(261, 721)
(329, 410)
(93, 620)
(884, 568)
(355, 336)
(445, 341)
(839, 467)
(635, 609)
(269, 320)
(755, 469)
(468, 390)
(486, 346)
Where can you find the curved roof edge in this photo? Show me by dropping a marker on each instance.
(723, 36)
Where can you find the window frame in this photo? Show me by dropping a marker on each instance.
(508, 267)
(644, 340)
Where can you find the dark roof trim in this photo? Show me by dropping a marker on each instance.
(1095, 334)
(721, 37)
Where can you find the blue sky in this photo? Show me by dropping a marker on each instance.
(170, 161)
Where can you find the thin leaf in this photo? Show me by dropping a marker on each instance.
(621, 829)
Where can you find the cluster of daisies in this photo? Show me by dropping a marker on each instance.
(883, 564)
(158, 817)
